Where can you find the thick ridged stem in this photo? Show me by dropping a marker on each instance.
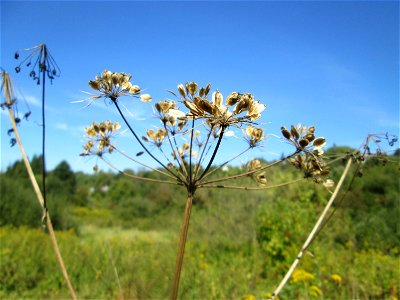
(181, 249)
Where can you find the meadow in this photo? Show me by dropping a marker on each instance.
(118, 237)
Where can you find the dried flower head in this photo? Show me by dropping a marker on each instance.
(254, 165)
(156, 137)
(254, 135)
(303, 139)
(313, 166)
(214, 111)
(99, 138)
(113, 85)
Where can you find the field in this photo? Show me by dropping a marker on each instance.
(121, 242)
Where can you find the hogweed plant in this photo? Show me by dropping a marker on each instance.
(188, 138)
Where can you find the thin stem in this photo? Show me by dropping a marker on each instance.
(140, 142)
(313, 232)
(8, 95)
(190, 153)
(43, 66)
(142, 164)
(251, 188)
(176, 154)
(181, 250)
(227, 162)
(202, 152)
(250, 172)
(138, 177)
(214, 153)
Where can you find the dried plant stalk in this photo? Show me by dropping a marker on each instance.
(313, 232)
(181, 250)
(39, 196)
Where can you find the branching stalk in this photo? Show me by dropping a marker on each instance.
(138, 177)
(202, 152)
(312, 234)
(142, 164)
(227, 162)
(252, 188)
(138, 139)
(213, 155)
(250, 172)
(191, 153)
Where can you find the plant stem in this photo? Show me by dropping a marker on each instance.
(313, 232)
(43, 63)
(202, 152)
(213, 155)
(8, 95)
(251, 188)
(142, 164)
(139, 177)
(190, 154)
(140, 142)
(248, 173)
(182, 243)
(227, 162)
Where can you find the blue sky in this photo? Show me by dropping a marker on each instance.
(334, 65)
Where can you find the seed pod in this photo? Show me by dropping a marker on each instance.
(217, 98)
(192, 88)
(94, 84)
(232, 99)
(181, 90)
(201, 92)
(318, 142)
(311, 129)
(135, 89)
(310, 137)
(145, 98)
(285, 133)
(207, 89)
(303, 142)
(294, 133)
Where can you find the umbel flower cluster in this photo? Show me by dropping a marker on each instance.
(188, 137)
(191, 129)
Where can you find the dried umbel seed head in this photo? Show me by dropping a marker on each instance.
(301, 138)
(113, 85)
(261, 179)
(254, 165)
(99, 135)
(164, 106)
(255, 135)
(157, 137)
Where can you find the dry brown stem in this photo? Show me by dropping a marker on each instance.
(39, 196)
(181, 250)
(313, 232)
